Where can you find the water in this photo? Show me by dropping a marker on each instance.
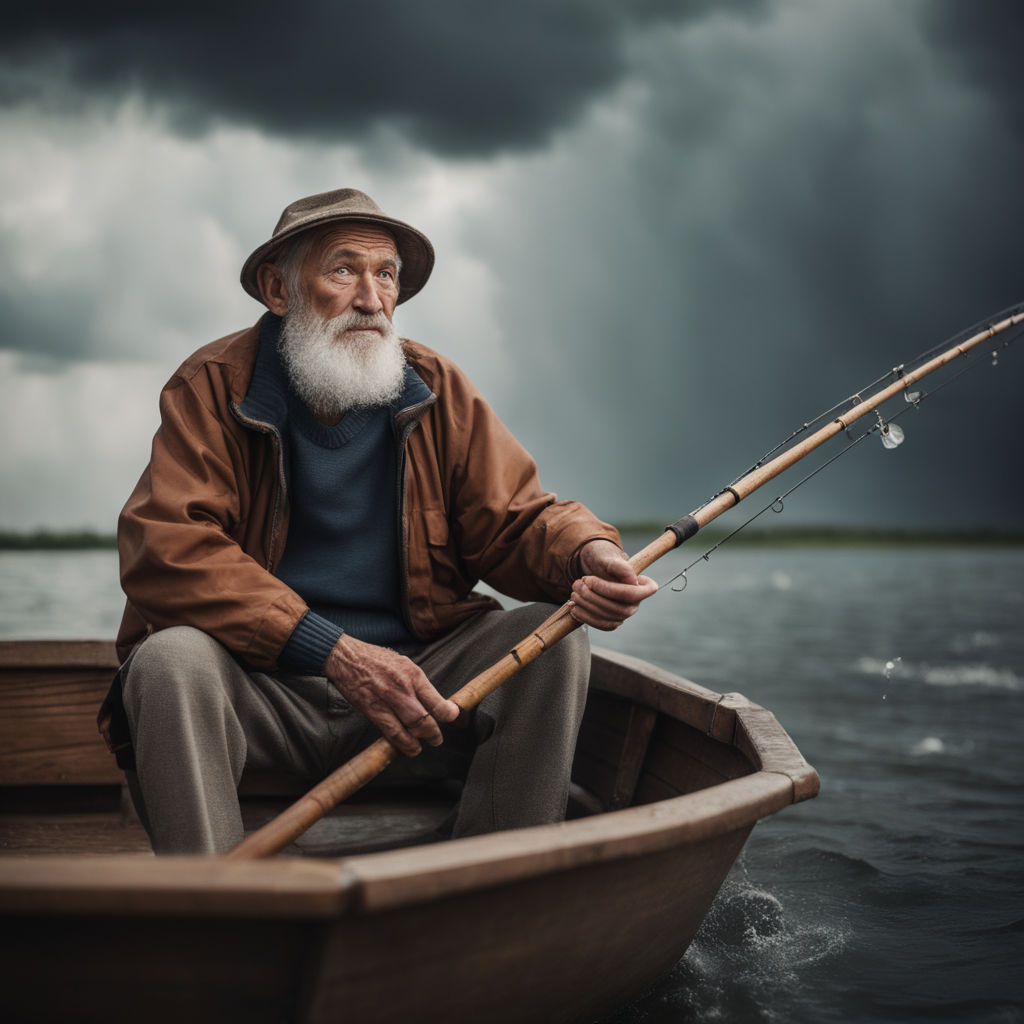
(897, 894)
(59, 595)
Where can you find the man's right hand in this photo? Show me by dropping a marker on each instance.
(391, 691)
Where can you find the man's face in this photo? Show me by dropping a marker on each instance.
(351, 268)
(338, 344)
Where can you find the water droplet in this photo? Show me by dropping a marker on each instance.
(892, 435)
(890, 667)
(995, 357)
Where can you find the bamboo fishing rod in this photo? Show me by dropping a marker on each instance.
(364, 767)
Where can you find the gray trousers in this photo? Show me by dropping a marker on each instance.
(198, 718)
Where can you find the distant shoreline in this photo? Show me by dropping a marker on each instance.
(791, 536)
(56, 540)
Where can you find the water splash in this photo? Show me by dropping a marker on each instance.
(748, 953)
(868, 666)
(749, 949)
(965, 674)
(972, 675)
(745, 917)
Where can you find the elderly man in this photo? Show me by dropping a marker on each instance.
(299, 556)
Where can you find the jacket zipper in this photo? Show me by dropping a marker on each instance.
(405, 423)
(274, 434)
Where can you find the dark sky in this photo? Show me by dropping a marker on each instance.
(459, 78)
(667, 233)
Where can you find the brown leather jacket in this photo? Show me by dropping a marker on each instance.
(207, 522)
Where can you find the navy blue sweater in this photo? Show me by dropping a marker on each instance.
(342, 550)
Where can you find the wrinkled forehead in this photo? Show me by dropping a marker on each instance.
(375, 242)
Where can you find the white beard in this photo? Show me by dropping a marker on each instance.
(333, 372)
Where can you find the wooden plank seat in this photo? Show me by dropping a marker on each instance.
(61, 791)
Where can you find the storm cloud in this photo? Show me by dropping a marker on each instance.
(666, 234)
(459, 77)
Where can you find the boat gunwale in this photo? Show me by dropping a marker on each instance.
(329, 888)
(45, 653)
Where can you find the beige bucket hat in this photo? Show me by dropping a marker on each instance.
(346, 204)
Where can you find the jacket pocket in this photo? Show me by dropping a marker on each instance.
(435, 526)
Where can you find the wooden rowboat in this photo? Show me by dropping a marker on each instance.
(557, 923)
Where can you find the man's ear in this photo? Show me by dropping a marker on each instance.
(273, 290)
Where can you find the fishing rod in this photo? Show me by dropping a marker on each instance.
(891, 433)
(364, 767)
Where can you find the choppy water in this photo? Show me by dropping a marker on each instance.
(896, 895)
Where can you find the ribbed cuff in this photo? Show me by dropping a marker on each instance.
(310, 643)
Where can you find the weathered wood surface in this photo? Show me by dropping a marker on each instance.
(54, 654)
(25, 833)
(640, 725)
(556, 923)
(204, 887)
(49, 695)
(388, 821)
(559, 947)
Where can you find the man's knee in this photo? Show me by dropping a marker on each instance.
(171, 665)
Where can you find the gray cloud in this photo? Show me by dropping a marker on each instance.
(985, 40)
(662, 244)
(459, 77)
(781, 216)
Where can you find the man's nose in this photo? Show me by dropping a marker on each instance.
(367, 300)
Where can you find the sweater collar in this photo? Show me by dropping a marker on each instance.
(267, 397)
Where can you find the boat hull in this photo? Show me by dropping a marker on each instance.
(557, 923)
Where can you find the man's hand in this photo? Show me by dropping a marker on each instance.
(608, 592)
(391, 691)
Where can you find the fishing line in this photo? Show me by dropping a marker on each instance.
(892, 436)
(777, 506)
(973, 359)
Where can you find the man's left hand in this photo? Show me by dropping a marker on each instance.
(608, 592)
